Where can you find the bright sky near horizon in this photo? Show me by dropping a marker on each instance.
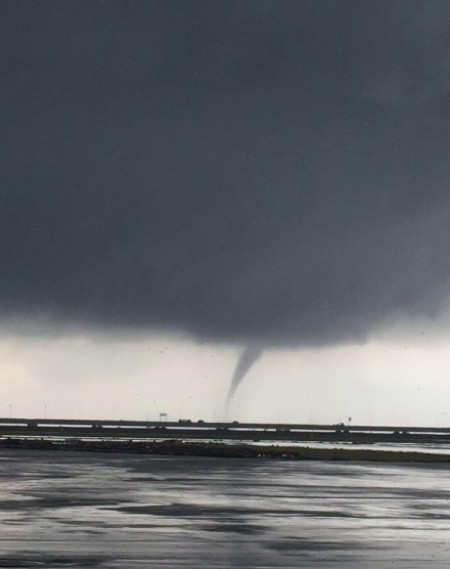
(379, 382)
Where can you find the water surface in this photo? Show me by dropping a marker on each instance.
(64, 509)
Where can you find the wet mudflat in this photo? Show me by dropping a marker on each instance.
(65, 509)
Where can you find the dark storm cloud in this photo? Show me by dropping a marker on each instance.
(272, 172)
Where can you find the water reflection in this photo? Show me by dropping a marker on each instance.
(87, 510)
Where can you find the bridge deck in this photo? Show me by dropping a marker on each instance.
(216, 431)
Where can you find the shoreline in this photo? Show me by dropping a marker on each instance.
(173, 447)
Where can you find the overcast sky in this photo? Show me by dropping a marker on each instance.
(184, 180)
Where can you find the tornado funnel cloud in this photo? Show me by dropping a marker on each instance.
(248, 357)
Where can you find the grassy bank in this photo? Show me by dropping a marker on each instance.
(215, 449)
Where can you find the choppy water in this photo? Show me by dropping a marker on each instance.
(66, 509)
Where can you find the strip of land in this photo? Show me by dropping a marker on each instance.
(215, 449)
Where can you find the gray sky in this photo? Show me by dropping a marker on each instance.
(234, 173)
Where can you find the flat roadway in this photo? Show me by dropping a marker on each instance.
(215, 431)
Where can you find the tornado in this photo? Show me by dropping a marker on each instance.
(248, 357)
